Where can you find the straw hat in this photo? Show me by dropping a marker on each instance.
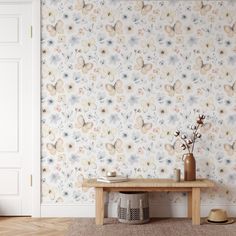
(218, 216)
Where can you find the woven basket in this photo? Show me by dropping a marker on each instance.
(133, 207)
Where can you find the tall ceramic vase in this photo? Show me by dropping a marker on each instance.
(189, 167)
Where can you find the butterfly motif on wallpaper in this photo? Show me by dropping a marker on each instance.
(175, 29)
(230, 90)
(58, 28)
(202, 67)
(205, 127)
(141, 125)
(116, 88)
(57, 147)
(230, 30)
(85, 67)
(141, 66)
(202, 8)
(176, 88)
(58, 87)
(84, 7)
(230, 148)
(116, 147)
(173, 148)
(114, 29)
(83, 125)
(143, 8)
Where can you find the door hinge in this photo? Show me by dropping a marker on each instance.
(31, 31)
(31, 180)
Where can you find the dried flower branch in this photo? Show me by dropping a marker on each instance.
(188, 143)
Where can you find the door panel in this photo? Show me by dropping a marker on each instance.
(12, 186)
(10, 34)
(9, 97)
(15, 107)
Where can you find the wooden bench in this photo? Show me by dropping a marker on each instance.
(151, 185)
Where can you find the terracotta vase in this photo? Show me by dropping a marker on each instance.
(189, 167)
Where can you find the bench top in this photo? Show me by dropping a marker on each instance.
(150, 183)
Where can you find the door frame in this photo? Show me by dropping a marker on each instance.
(36, 103)
(36, 109)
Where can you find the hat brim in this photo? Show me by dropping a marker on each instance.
(229, 221)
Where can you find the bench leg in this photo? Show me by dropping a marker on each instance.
(99, 206)
(196, 206)
(190, 204)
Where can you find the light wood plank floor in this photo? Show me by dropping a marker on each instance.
(27, 226)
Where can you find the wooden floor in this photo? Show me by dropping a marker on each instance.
(27, 226)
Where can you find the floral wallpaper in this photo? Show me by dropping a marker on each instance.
(119, 77)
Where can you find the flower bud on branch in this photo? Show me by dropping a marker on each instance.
(202, 117)
(189, 141)
(183, 146)
(198, 135)
(176, 133)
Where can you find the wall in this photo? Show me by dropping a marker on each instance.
(120, 77)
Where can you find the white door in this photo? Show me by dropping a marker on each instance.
(15, 109)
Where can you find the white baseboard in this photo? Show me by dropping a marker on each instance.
(156, 210)
(67, 210)
(177, 210)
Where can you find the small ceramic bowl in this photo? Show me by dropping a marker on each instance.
(111, 174)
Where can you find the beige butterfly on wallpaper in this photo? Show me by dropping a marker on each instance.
(200, 66)
(58, 28)
(82, 124)
(141, 125)
(114, 29)
(205, 127)
(173, 148)
(230, 30)
(141, 66)
(84, 7)
(230, 90)
(57, 147)
(85, 67)
(142, 7)
(58, 87)
(176, 88)
(173, 30)
(116, 88)
(230, 149)
(202, 8)
(116, 147)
